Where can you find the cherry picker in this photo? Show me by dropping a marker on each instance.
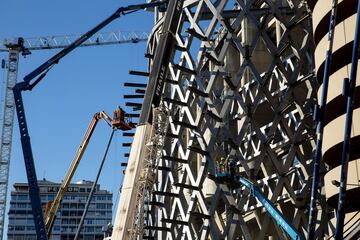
(28, 84)
(119, 122)
(225, 172)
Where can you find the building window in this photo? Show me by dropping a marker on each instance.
(101, 205)
(65, 205)
(22, 197)
(65, 213)
(19, 228)
(89, 221)
(101, 197)
(89, 229)
(30, 228)
(22, 205)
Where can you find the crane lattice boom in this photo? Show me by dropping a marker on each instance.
(63, 41)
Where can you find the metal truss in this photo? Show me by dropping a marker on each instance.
(240, 86)
(62, 41)
(149, 169)
(6, 134)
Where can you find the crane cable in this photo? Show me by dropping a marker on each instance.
(116, 177)
(94, 186)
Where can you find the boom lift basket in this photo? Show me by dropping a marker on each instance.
(120, 122)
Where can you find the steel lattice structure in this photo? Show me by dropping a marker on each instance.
(62, 41)
(240, 85)
(6, 134)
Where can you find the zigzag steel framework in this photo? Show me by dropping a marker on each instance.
(239, 85)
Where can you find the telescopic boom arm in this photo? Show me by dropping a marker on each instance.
(42, 69)
(280, 220)
(51, 214)
(223, 175)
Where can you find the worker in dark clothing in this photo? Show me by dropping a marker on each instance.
(119, 115)
(119, 120)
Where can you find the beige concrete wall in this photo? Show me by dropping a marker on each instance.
(334, 131)
(334, 174)
(344, 33)
(125, 213)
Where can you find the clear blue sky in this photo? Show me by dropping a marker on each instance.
(86, 81)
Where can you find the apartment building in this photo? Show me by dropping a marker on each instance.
(21, 225)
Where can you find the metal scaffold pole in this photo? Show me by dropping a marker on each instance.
(319, 116)
(93, 188)
(349, 86)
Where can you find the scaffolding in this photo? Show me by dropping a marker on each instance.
(147, 178)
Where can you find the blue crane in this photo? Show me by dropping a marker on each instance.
(271, 209)
(28, 84)
(225, 172)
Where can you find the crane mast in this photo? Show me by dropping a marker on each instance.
(24, 45)
(6, 134)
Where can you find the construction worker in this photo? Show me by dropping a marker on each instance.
(119, 120)
(119, 115)
(232, 167)
(220, 165)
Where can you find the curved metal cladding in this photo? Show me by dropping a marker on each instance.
(336, 104)
(239, 87)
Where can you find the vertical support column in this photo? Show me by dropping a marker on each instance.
(349, 115)
(320, 118)
(6, 134)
